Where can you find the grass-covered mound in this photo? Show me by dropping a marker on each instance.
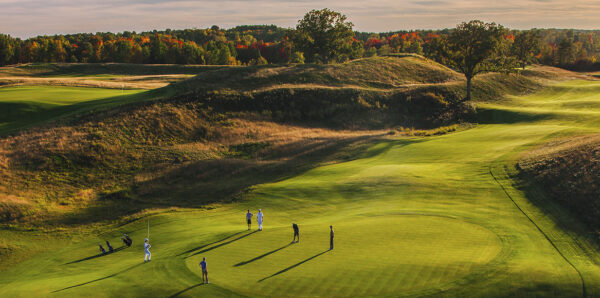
(367, 93)
(568, 171)
(114, 162)
(114, 155)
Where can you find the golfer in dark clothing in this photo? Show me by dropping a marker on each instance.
(296, 232)
(110, 248)
(331, 238)
(204, 271)
(249, 219)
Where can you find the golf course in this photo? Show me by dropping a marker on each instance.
(431, 215)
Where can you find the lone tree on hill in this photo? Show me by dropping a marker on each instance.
(472, 48)
(322, 35)
(525, 46)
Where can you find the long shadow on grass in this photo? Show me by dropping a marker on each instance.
(261, 256)
(198, 183)
(209, 244)
(500, 116)
(185, 290)
(227, 180)
(97, 256)
(293, 266)
(222, 244)
(99, 279)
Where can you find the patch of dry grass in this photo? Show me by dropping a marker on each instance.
(63, 169)
(127, 82)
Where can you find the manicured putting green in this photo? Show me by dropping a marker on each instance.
(370, 252)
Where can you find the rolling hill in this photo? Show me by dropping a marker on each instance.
(100, 152)
(417, 212)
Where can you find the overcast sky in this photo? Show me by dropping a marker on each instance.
(26, 18)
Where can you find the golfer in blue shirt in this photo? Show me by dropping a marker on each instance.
(204, 271)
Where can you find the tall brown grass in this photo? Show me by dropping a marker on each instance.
(569, 172)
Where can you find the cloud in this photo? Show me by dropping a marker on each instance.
(27, 18)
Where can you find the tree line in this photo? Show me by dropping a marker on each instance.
(322, 36)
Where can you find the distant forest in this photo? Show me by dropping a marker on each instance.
(262, 44)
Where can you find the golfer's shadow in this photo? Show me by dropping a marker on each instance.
(293, 266)
(261, 256)
(209, 244)
(185, 290)
(98, 255)
(99, 279)
(219, 245)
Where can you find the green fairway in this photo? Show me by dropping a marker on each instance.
(29, 105)
(414, 216)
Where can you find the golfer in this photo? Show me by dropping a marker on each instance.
(296, 232)
(259, 219)
(331, 238)
(249, 219)
(147, 250)
(204, 271)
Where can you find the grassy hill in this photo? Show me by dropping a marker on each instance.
(416, 213)
(102, 154)
(568, 171)
(367, 93)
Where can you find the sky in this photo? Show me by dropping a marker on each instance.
(27, 18)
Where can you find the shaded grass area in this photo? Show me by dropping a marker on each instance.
(568, 171)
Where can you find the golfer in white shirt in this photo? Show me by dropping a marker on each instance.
(259, 219)
(147, 255)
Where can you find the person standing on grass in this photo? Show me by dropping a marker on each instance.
(110, 248)
(249, 219)
(296, 232)
(331, 238)
(204, 271)
(259, 219)
(147, 246)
